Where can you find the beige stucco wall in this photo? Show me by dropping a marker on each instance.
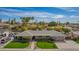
(59, 38)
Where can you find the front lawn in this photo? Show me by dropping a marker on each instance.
(46, 45)
(15, 44)
(19, 42)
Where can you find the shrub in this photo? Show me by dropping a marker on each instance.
(24, 28)
(22, 39)
(41, 27)
(58, 28)
(50, 28)
(52, 23)
(76, 39)
(33, 27)
(65, 30)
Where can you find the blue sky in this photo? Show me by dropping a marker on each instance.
(47, 14)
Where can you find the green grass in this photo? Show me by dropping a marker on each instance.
(76, 40)
(46, 45)
(15, 44)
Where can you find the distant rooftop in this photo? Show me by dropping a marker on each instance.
(76, 32)
(4, 24)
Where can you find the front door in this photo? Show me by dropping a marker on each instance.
(33, 38)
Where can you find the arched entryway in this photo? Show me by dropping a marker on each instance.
(33, 38)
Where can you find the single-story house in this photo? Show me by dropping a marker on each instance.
(55, 35)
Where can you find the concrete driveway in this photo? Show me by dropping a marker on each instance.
(67, 45)
(73, 44)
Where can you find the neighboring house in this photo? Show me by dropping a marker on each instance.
(3, 36)
(4, 32)
(74, 26)
(3, 25)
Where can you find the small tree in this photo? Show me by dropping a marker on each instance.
(13, 21)
(52, 23)
(66, 30)
(25, 20)
(67, 23)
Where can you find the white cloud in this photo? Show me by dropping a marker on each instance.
(11, 10)
(35, 14)
(59, 16)
(74, 16)
(42, 15)
(70, 9)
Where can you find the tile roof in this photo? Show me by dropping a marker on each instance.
(40, 33)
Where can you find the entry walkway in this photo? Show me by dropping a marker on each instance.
(33, 45)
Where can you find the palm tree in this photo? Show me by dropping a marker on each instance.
(32, 18)
(25, 20)
(14, 20)
(9, 21)
(41, 23)
(0, 20)
(67, 23)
